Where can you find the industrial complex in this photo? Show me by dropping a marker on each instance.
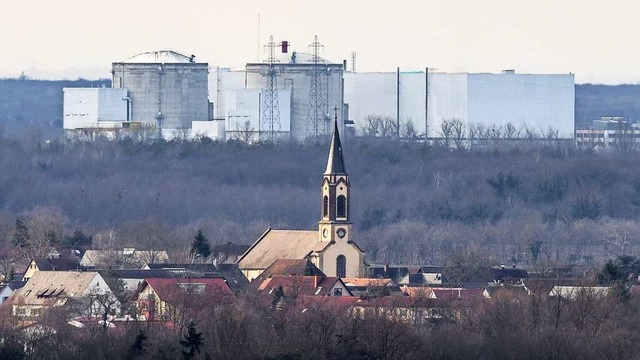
(294, 95)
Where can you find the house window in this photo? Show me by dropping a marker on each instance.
(341, 206)
(341, 266)
(337, 292)
(325, 206)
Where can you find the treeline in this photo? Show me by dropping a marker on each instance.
(589, 326)
(595, 101)
(411, 202)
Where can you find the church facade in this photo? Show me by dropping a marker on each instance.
(330, 248)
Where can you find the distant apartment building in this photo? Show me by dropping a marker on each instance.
(609, 132)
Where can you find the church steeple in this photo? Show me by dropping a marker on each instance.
(335, 163)
(335, 223)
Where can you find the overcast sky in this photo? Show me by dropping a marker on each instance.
(596, 40)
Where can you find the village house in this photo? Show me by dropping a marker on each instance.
(128, 258)
(84, 294)
(51, 264)
(228, 253)
(171, 299)
(288, 267)
(8, 288)
(368, 287)
(230, 272)
(330, 248)
(573, 292)
(291, 287)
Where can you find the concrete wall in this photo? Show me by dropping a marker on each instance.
(172, 95)
(212, 129)
(222, 80)
(537, 101)
(447, 100)
(87, 107)
(297, 79)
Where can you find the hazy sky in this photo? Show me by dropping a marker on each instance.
(596, 40)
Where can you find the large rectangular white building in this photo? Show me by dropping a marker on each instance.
(537, 102)
(94, 107)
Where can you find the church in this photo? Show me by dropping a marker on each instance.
(331, 247)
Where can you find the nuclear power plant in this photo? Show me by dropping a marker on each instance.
(295, 95)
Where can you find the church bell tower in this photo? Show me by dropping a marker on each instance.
(335, 223)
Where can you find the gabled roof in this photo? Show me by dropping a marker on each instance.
(431, 269)
(230, 272)
(301, 285)
(229, 250)
(456, 293)
(542, 286)
(280, 244)
(46, 287)
(500, 274)
(300, 267)
(213, 289)
(141, 274)
(13, 285)
(288, 267)
(367, 282)
(495, 290)
(335, 163)
(127, 256)
(57, 264)
(572, 292)
(416, 291)
(182, 267)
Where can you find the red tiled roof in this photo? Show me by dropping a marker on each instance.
(169, 288)
(300, 285)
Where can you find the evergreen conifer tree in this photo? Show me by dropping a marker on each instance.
(192, 342)
(139, 347)
(200, 246)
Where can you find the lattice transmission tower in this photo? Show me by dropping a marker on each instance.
(317, 120)
(270, 117)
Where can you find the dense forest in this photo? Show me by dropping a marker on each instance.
(525, 202)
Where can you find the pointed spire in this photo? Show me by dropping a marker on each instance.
(335, 163)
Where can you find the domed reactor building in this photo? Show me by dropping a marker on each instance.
(166, 90)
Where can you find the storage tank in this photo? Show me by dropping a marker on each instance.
(168, 90)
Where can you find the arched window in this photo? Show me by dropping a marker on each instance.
(325, 206)
(341, 206)
(341, 266)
